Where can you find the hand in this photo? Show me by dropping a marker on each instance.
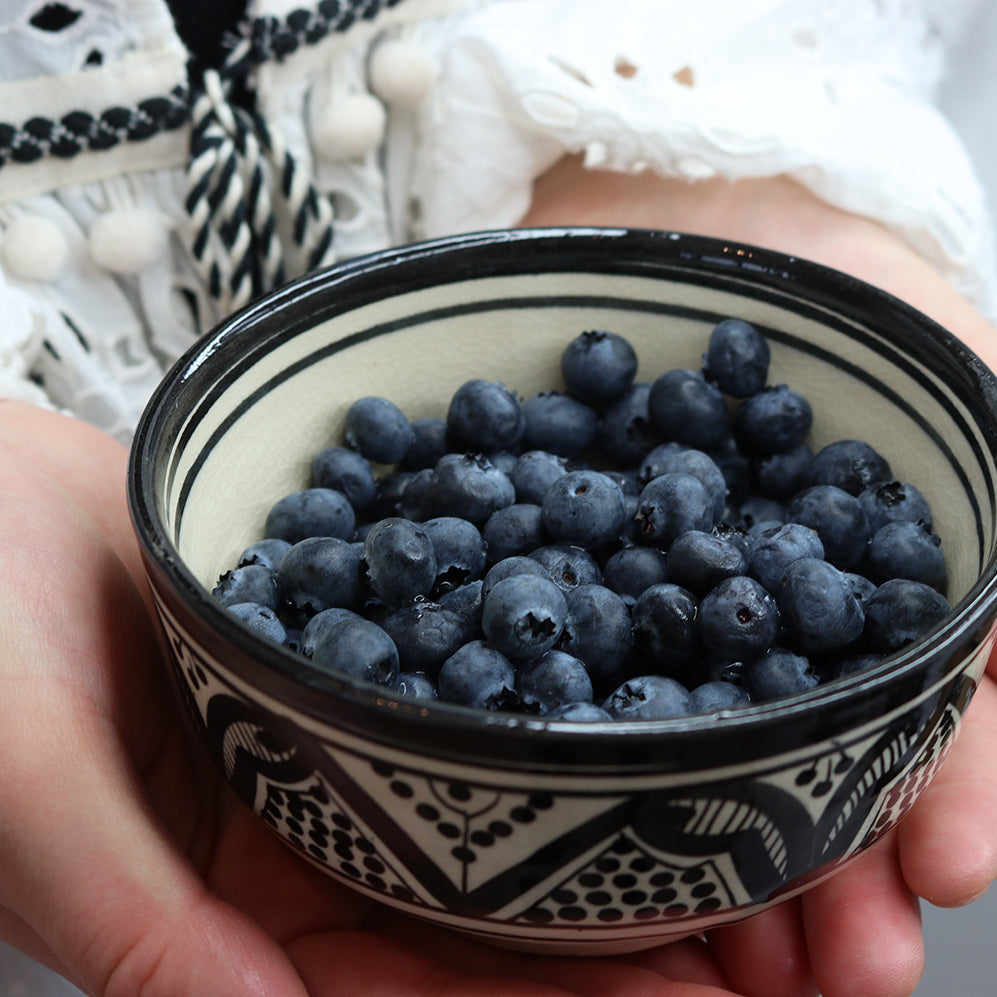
(862, 928)
(128, 867)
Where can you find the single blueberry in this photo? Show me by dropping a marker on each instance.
(568, 565)
(534, 472)
(254, 583)
(398, 561)
(585, 508)
(699, 561)
(465, 603)
(266, 552)
(901, 611)
(665, 629)
(779, 673)
(625, 431)
(469, 486)
(319, 572)
(263, 619)
(523, 616)
(649, 697)
(718, 697)
(479, 676)
(838, 518)
(585, 713)
(906, 550)
(774, 549)
(517, 564)
(687, 408)
(735, 467)
(774, 420)
(558, 423)
(357, 648)
(346, 471)
(460, 551)
(415, 685)
(315, 631)
(780, 476)
(429, 443)
(552, 680)
(598, 367)
(311, 512)
(671, 505)
(417, 500)
(485, 416)
(895, 501)
(377, 429)
(818, 607)
(425, 634)
(852, 465)
(737, 358)
(597, 629)
(631, 570)
(739, 619)
(689, 460)
(516, 529)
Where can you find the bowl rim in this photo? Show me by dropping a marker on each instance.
(362, 706)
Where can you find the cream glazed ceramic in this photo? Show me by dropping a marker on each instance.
(552, 836)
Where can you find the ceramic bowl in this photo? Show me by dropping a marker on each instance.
(551, 836)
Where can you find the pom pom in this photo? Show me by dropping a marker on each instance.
(349, 127)
(128, 240)
(34, 248)
(401, 73)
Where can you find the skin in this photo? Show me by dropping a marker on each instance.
(129, 868)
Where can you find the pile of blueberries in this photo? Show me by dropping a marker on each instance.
(616, 549)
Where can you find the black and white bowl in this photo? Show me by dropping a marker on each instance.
(551, 836)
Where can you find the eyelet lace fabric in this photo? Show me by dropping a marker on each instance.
(140, 204)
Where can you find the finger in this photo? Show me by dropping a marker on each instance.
(766, 955)
(863, 928)
(948, 842)
(689, 959)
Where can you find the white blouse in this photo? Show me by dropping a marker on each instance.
(138, 206)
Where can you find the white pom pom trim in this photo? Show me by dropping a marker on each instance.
(128, 240)
(349, 127)
(401, 72)
(34, 248)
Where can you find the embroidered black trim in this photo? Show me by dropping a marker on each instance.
(80, 131)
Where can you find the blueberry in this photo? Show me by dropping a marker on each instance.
(860, 586)
(534, 472)
(851, 465)
(649, 697)
(346, 471)
(479, 676)
(895, 501)
(470, 486)
(598, 367)
(399, 561)
(266, 552)
(523, 616)
(315, 631)
(906, 550)
(311, 512)
(516, 529)
(671, 505)
(597, 629)
(263, 619)
(558, 423)
(425, 634)
(758, 513)
(585, 508)
(390, 494)
(901, 611)
(818, 607)
(625, 431)
(568, 565)
(518, 564)
(665, 628)
(632, 569)
(552, 680)
(779, 673)
(415, 685)
(417, 500)
(585, 713)
(251, 583)
(737, 358)
(781, 475)
(485, 416)
(838, 518)
(774, 420)
(775, 549)
(739, 619)
(854, 664)
(357, 648)
(689, 460)
(685, 407)
(377, 429)
(459, 549)
(718, 697)
(429, 443)
(319, 572)
(735, 467)
(699, 561)
(465, 603)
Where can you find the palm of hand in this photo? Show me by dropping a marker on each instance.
(131, 869)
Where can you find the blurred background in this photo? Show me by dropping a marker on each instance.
(960, 955)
